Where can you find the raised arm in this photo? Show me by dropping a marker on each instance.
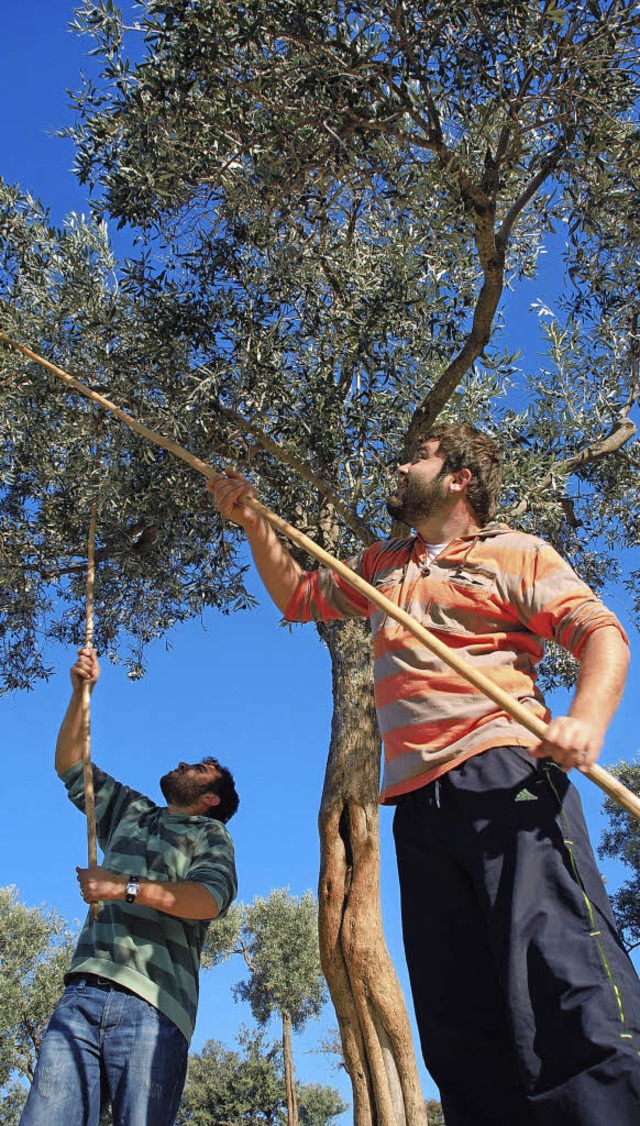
(71, 735)
(279, 572)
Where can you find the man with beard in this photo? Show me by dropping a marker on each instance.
(527, 1004)
(120, 1033)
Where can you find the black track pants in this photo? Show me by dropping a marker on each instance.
(527, 1004)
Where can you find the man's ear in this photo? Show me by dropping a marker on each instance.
(459, 480)
(211, 800)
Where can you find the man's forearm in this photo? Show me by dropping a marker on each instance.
(576, 739)
(604, 662)
(279, 572)
(183, 899)
(71, 735)
(84, 676)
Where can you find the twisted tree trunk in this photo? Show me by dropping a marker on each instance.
(375, 1030)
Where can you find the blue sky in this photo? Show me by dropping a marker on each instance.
(241, 687)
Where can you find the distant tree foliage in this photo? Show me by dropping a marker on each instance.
(319, 1105)
(621, 841)
(234, 1087)
(35, 952)
(247, 1088)
(435, 1116)
(277, 937)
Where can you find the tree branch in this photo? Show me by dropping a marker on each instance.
(286, 457)
(622, 431)
(549, 165)
(145, 536)
(241, 948)
(492, 260)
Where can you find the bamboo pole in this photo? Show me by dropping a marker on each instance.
(602, 778)
(87, 769)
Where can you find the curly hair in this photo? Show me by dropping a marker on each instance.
(225, 787)
(464, 447)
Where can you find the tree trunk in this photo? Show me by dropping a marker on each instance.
(289, 1077)
(375, 1030)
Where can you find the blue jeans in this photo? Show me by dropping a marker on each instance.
(105, 1045)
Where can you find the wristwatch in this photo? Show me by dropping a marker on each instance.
(132, 889)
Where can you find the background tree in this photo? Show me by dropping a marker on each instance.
(335, 200)
(35, 952)
(318, 1105)
(278, 939)
(435, 1117)
(247, 1088)
(233, 1087)
(621, 841)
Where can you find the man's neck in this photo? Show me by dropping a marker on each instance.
(181, 810)
(442, 527)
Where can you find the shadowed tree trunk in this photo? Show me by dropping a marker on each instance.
(375, 1030)
(289, 1077)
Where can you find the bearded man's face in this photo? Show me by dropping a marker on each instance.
(184, 785)
(420, 490)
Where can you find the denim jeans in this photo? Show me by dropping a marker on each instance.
(106, 1046)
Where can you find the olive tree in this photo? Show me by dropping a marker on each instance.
(35, 952)
(246, 1088)
(330, 204)
(621, 841)
(277, 937)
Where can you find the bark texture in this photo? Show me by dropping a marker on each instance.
(374, 1026)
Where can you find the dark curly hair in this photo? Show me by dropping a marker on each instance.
(464, 447)
(225, 787)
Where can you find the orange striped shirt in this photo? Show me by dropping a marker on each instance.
(493, 596)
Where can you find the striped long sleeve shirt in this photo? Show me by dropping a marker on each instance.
(155, 955)
(494, 597)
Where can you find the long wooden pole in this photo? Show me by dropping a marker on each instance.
(602, 778)
(87, 769)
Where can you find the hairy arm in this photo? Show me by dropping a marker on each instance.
(69, 745)
(183, 899)
(577, 738)
(279, 572)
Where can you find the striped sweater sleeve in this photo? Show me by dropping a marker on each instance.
(323, 596)
(554, 603)
(213, 865)
(111, 798)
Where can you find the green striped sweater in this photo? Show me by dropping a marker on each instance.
(153, 954)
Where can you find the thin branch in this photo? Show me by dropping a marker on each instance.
(286, 457)
(419, 74)
(492, 260)
(623, 430)
(621, 433)
(146, 536)
(549, 164)
(242, 949)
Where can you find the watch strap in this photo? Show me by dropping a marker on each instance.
(132, 889)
